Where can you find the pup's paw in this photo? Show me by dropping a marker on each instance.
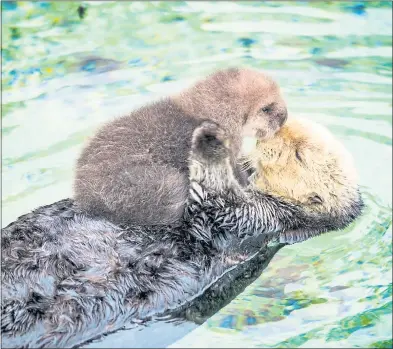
(210, 144)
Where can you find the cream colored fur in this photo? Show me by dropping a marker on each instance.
(304, 162)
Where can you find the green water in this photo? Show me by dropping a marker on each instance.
(63, 74)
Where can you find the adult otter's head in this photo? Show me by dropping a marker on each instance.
(304, 163)
(243, 101)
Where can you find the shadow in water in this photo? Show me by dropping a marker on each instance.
(168, 329)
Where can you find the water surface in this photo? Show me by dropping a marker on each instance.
(65, 72)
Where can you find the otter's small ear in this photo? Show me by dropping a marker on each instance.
(315, 199)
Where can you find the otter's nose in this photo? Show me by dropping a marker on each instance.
(282, 117)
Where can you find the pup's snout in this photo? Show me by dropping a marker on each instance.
(261, 134)
(282, 117)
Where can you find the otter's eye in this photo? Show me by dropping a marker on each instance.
(315, 199)
(268, 109)
(297, 154)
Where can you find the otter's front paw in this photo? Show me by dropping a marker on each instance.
(210, 144)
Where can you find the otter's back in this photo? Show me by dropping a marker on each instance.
(134, 170)
(160, 131)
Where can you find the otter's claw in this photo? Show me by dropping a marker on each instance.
(210, 143)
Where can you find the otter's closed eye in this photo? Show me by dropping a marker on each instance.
(297, 154)
(268, 108)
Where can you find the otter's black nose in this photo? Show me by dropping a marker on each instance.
(282, 117)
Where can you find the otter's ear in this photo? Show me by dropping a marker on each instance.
(315, 199)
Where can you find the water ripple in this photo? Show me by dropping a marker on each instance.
(64, 75)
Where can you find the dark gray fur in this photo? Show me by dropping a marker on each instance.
(68, 277)
(135, 169)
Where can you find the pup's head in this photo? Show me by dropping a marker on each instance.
(304, 163)
(243, 101)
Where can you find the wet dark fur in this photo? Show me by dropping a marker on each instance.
(229, 286)
(68, 277)
(135, 170)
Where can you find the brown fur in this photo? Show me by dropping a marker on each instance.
(235, 99)
(135, 169)
(303, 162)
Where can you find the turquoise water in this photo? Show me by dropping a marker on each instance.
(64, 73)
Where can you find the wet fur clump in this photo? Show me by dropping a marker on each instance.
(134, 170)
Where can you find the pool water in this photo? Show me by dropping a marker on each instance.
(69, 66)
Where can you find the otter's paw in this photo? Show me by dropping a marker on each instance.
(210, 144)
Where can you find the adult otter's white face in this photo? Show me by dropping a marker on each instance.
(303, 162)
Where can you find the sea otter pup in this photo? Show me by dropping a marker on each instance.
(68, 277)
(135, 171)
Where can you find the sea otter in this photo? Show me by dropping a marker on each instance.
(134, 170)
(304, 164)
(68, 277)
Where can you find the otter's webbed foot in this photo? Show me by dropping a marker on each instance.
(210, 144)
(210, 162)
(210, 159)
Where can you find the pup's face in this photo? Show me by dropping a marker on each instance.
(304, 163)
(267, 109)
(243, 101)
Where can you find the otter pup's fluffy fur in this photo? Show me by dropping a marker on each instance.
(135, 170)
(68, 277)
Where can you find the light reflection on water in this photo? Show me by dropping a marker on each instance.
(63, 76)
